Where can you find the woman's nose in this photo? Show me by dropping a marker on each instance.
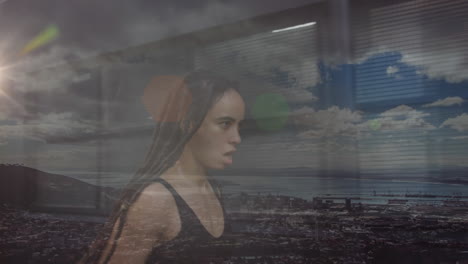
(235, 137)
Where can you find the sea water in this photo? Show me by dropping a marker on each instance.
(372, 190)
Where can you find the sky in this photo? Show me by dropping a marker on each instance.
(90, 27)
(398, 104)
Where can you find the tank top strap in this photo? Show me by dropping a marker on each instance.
(169, 187)
(214, 184)
(182, 206)
(189, 220)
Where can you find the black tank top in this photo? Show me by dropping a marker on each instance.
(193, 244)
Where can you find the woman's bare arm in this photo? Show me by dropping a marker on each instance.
(151, 220)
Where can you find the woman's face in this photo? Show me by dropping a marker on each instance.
(216, 139)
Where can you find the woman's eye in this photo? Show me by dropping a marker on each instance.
(225, 124)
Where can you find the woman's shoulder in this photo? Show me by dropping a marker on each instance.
(156, 209)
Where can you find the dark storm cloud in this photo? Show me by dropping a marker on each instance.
(87, 24)
(105, 25)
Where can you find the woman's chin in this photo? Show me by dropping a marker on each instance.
(220, 166)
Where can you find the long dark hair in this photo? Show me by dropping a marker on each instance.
(180, 117)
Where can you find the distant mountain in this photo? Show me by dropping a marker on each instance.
(454, 175)
(35, 189)
(293, 171)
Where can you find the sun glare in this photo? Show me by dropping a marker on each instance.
(1, 81)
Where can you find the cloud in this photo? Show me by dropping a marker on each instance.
(397, 111)
(60, 125)
(126, 24)
(440, 63)
(48, 128)
(43, 79)
(449, 101)
(144, 26)
(53, 111)
(400, 118)
(274, 60)
(336, 122)
(331, 122)
(459, 137)
(459, 123)
(392, 70)
(10, 105)
(45, 72)
(47, 84)
(437, 50)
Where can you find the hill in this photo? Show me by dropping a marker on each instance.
(34, 189)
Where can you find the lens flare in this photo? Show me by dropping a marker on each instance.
(270, 111)
(375, 124)
(46, 36)
(167, 99)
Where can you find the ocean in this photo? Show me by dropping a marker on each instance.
(372, 190)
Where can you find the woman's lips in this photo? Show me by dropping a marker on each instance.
(228, 158)
(230, 152)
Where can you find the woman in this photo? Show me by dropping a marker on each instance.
(170, 204)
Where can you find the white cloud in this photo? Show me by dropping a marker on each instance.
(459, 123)
(400, 118)
(331, 122)
(62, 125)
(459, 137)
(392, 70)
(48, 127)
(334, 121)
(401, 110)
(449, 101)
(45, 83)
(329, 141)
(442, 62)
(45, 72)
